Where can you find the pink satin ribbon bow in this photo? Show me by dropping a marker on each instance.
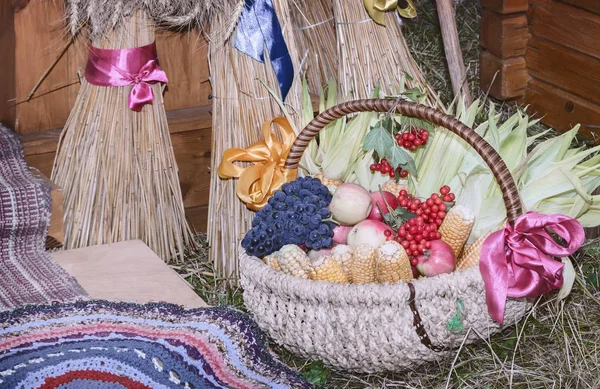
(121, 67)
(515, 262)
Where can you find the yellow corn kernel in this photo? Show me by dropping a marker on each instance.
(362, 268)
(392, 263)
(331, 184)
(326, 268)
(271, 260)
(395, 187)
(293, 260)
(456, 228)
(342, 254)
(470, 256)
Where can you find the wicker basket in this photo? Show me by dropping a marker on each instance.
(378, 327)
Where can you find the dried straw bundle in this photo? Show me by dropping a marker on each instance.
(117, 166)
(315, 35)
(369, 53)
(240, 105)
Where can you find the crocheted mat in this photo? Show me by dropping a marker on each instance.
(104, 345)
(27, 274)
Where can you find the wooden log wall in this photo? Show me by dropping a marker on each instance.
(34, 35)
(544, 54)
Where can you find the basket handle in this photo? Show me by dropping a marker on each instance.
(510, 193)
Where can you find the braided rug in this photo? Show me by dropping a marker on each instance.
(27, 274)
(104, 345)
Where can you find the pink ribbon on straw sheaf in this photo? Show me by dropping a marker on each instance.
(121, 67)
(516, 261)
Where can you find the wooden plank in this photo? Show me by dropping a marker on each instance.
(39, 38)
(7, 65)
(127, 271)
(56, 228)
(505, 6)
(568, 26)
(42, 162)
(193, 155)
(509, 75)
(590, 5)
(184, 57)
(565, 68)
(198, 217)
(188, 119)
(560, 109)
(504, 36)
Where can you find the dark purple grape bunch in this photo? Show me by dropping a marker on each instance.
(295, 214)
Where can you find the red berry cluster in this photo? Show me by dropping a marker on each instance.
(416, 234)
(412, 139)
(384, 167)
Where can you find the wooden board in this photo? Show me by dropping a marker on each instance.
(7, 65)
(198, 217)
(38, 32)
(193, 159)
(568, 26)
(566, 109)
(590, 5)
(509, 75)
(184, 57)
(127, 271)
(504, 36)
(505, 6)
(565, 68)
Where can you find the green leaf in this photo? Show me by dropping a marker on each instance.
(378, 139)
(398, 157)
(316, 373)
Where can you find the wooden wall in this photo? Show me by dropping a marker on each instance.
(544, 54)
(34, 35)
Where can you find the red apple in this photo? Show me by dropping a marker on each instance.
(340, 234)
(439, 259)
(370, 232)
(377, 202)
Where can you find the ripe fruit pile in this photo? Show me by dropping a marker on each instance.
(412, 139)
(384, 167)
(416, 234)
(293, 215)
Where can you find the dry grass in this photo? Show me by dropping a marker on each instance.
(556, 346)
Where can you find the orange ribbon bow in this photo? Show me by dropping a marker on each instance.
(258, 182)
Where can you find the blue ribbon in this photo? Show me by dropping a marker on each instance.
(259, 27)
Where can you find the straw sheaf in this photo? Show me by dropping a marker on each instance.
(104, 16)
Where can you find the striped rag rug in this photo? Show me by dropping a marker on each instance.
(27, 273)
(103, 345)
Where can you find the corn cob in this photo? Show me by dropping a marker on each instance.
(362, 268)
(293, 260)
(343, 255)
(470, 256)
(331, 184)
(395, 187)
(326, 268)
(456, 228)
(271, 260)
(392, 263)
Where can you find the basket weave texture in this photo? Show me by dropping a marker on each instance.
(369, 328)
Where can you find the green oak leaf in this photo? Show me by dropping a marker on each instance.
(378, 139)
